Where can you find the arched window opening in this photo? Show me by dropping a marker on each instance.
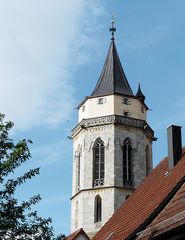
(97, 209)
(98, 163)
(76, 214)
(127, 164)
(77, 170)
(147, 161)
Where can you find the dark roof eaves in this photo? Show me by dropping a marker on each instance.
(82, 102)
(113, 93)
(164, 235)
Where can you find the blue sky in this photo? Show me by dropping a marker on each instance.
(51, 55)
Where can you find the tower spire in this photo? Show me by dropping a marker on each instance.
(112, 120)
(112, 28)
(139, 94)
(112, 79)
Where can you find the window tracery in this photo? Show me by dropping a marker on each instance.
(127, 164)
(98, 163)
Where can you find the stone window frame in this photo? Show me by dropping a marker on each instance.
(97, 209)
(127, 163)
(126, 101)
(98, 163)
(78, 170)
(101, 100)
(83, 108)
(142, 109)
(78, 154)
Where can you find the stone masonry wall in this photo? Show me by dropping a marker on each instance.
(113, 192)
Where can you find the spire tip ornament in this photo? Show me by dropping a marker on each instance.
(112, 29)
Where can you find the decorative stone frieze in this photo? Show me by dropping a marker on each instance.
(113, 119)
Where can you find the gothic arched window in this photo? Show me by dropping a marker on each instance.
(98, 162)
(77, 170)
(147, 161)
(97, 209)
(127, 164)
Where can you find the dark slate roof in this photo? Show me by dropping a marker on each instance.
(112, 79)
(139, 94)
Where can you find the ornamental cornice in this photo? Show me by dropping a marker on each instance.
(113, 119)
(99, 189)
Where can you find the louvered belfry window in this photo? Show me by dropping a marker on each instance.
(127, 164)
(97, 209)
(98, 163)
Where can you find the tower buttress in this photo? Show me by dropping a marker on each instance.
(112, 150)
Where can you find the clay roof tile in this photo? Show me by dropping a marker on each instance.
(141, 206)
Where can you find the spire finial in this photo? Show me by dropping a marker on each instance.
(112, 29)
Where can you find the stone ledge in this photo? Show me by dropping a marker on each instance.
(113, 119)
(103, 189)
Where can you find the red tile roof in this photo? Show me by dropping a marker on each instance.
(170, 217)
(75, 234)
(176, 205)
(144, 203)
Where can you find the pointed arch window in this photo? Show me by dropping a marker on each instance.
(127, 164)
(98, 163)
(77, 169)
(97, 209)
(147, 161)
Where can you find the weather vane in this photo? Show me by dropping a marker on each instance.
(112, 29)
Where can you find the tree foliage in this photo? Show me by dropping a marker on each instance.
(17, 220)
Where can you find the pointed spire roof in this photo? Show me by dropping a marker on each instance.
(139, 94)
(112, 79)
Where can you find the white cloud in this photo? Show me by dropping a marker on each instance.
(41, 45)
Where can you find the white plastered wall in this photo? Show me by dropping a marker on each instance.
(112, 104)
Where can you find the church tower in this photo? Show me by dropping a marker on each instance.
(112, 147)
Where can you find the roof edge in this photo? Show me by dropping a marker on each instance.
(117, 94)
(76, 233)
(158, 209)
(160, 226)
